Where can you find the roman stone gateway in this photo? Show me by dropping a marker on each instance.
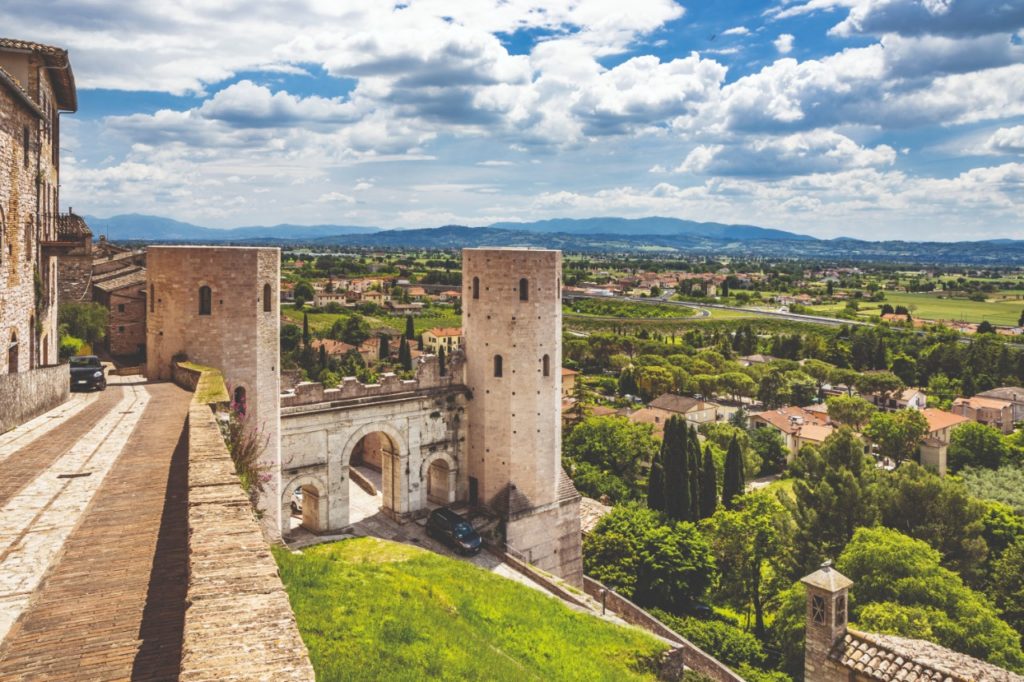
(219, 306)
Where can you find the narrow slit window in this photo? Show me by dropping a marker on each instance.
(547, 365)
(524, 289)
(152, 297)
(267, 303)
(205, 300)
(476, 287)
(497, 366)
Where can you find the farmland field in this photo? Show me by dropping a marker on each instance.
(931, 307)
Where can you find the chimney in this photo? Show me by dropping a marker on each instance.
(826, 619)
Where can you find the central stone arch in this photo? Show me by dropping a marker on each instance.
(438, 476)
(393, 464)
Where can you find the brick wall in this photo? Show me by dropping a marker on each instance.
(126, 330)
(29, 394)
(239, 624)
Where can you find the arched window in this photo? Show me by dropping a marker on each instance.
(267, 303)
(547, 365)
(524, 289)
(12, 354)
(205, 300)
(476, 287)
(152, 297)
(240, 400)
(497, 365)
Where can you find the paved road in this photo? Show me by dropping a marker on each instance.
(93, 530)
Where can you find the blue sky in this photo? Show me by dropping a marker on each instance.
(867, 118)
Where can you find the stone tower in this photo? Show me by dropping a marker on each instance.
(512, 324)
(220, 307)
(827, 606)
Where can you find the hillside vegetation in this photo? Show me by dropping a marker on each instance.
(369, 609)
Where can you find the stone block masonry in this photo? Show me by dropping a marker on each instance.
(28, 394)
(239, 623)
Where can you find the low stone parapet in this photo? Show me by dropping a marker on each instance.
(239, 623)
(26, 395)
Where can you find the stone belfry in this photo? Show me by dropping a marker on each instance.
(512, 324)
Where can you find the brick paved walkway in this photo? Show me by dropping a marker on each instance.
(111, 604)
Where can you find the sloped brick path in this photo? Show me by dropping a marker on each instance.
(93, 566)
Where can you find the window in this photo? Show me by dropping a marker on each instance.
(267, 303)
(152, 297)
(205, 300)
(120, 330)
(840, 610)
(524, 289)
(120, 307)
(818, 610)
(547, 365)
(240, 400)
(24, 145)
(497, 365)
(12, 354)
(476, 287)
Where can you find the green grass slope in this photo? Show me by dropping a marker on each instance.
(369, 609)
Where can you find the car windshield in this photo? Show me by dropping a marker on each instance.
(85, 362)
(462, 530)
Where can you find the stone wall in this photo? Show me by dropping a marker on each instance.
(74, 273)
(29, 394)
(239, 624)
(126, 329)
(686, 653)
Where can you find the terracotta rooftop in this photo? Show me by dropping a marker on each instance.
(815, 432)
(63, 77)
(676, 403)
(332, 346)
(890, 658)
(983, 402)
(782, 418)
(940, 419)
(568, 372)
(128, 279)
(71, 226)
(445, 331)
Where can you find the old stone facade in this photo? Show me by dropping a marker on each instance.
(512, 326)
(36, 82)
(124, 297)
(74, 267)
(219, 306)
(412, 431)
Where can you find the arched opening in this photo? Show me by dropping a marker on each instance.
(497, 366)
(524, 289)
(267, 303)
(239, 402)
(12, 354)
(476, 287)
(305, 500)
(438, 489)
(205, 300)
(375, 476)
(547, 365)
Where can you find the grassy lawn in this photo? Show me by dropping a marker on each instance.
(930, 307)
(369, 609)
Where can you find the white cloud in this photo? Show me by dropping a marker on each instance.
(736, 31)
(1007, 141)
(917, 17)
(336, 197)
(784, 43)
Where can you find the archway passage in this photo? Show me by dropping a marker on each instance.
(438, 476)
(306, 503)
(375, 476)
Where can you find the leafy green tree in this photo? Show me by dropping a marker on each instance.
(905, 368)
(653, 563)
(773, 390)
(86, 321)
(942, 391)
(802, 388)
(897, 434)
(291, 334)
(732, 477)
(694, 474)
(986, 327)
(768, 444)
(939, 511)
(708, 485)
(851, 410)
(613, 445)
(305, 291)
(877, 382)
(721, 434)
(836, 493)
(353, 330)
(976, 445)
(305, 331)
(901, 587)
(752, 545)
(1008, 584)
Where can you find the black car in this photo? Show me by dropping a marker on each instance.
(445, 525)
(87, 373)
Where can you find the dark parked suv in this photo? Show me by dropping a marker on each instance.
(445, 525)
(87, 373)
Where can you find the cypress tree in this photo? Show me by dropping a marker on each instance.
(693, 455)
(656, 484)
(677, 483)
(440, 360)
(708, 485)
(323, 357)
(732, 478)
(404, 354)
(410, 330)
(383, 349)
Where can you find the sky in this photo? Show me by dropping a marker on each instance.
(875, 119)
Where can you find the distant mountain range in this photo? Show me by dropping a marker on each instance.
(648, 235)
